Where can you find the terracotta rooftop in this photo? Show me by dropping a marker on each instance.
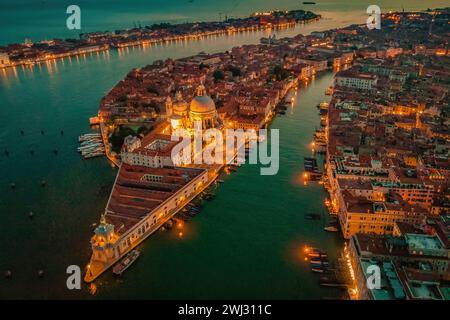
(138, 190)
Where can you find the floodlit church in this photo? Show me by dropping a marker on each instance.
(202, 108)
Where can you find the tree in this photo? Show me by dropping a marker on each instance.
(218, 75)
(122, 98)
(119, 136)
(280, 73)
(152, 89)
(142, 131)
(235, 71)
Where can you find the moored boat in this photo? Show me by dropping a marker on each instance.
(331, 229)
(126, 262)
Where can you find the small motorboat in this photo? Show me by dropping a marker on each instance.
(314, 255)
(331, 229)
(92, 289)
(126, 262)
(319, 263)
(168, 225)
(312, 216)
(209, 196)
(192, 213)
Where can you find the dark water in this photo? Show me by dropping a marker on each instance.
(245, 243)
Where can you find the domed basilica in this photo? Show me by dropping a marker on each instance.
(202, 108)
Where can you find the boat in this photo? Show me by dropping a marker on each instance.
(93, 150)
(318, 270)
(193, 208)
(168, 225)
(312, 250)
(331, 229)
(185, 217)
(192, 213)
(320, 134)
(317, 253)
(89, 146)
(310, 164)
(329, 91)
(93, 155)
(89, 136)
(90, 141)
(126, 262)
(308, 2)
(324, 105)
(92, 289)
(314, 255)
(312, 216)
(209, 197)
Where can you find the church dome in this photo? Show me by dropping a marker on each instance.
(202, 103)
(180, 107)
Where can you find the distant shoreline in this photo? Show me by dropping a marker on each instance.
(30, 54)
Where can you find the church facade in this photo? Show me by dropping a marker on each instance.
(202, 109)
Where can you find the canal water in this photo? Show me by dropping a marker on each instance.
(246, 243)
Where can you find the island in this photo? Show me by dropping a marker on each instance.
(29, 53)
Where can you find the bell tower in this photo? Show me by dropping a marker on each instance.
(103, 242)
(169, 107)
(201, 91)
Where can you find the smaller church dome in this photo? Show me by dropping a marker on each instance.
(179, 105)
(202, 103)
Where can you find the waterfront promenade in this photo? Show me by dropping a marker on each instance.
(108, 151)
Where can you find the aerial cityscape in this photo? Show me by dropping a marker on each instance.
(284, 150)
